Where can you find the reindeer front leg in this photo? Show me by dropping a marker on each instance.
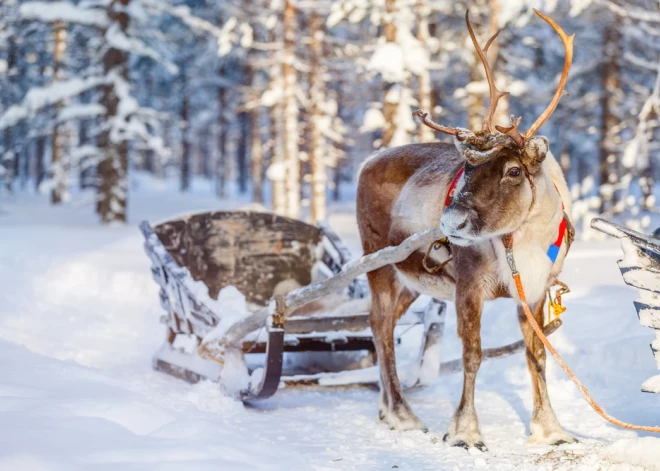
(464, 427)
(544, 426)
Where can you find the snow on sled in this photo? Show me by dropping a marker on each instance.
(195, 258)
(640, 267)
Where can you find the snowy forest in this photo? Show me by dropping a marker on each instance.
(190, 278)
(281, 100)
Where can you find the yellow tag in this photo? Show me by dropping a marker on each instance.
(555, 308)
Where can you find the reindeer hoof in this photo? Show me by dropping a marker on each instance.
(481, 446)
(555, 438)
(403, 419)
(565, 442)
(460, 444)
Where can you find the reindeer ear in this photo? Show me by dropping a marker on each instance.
(535, 152)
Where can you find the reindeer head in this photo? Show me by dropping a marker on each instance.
(498, 190)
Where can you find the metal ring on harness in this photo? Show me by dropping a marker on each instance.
(444, 242)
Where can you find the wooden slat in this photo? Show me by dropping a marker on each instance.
(318, 344)
(177, 371)
(327, 324)
(649, 316)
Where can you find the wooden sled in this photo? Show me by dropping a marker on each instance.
(640, 267)
(262, 254)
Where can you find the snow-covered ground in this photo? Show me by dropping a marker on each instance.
(79, 321)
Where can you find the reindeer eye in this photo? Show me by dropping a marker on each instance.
(513, 172)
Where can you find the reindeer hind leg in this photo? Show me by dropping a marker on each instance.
(389, 301)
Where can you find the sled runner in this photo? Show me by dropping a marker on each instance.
(263, 255)
(640, 267)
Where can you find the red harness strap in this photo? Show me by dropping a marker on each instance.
(553, 250)
(452, 187)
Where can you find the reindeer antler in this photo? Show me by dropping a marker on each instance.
(430, 123)
(495, 94)
(568, 46)
(512, 131)
(486, 145)
(460, 133)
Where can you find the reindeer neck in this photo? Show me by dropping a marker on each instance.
(545, 213)
(531, 240)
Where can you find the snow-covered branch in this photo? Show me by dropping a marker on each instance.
(116, 38)
(631, 12)
(41, 97)
(49, 12)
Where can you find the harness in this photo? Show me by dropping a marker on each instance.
(564, 224)
(565, 229)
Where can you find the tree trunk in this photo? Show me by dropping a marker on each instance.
(276, 172)
(40, 150)
(392, 91)
(316, 144)
(220, 167)
(257, 153)
(8, 160)
(57, 166)
(647, 182)
(112, 193)
(475, 102)
(242, 151)
(425, 133)
(501, 115)
(185, 130)
(290, 113)
(336, 194)
(25, 161)
(610, 118)
(207, 151)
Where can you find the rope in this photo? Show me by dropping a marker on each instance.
(594, 405)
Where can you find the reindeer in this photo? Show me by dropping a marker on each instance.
(490, 192)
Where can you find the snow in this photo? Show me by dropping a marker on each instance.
(388, 60)
(652, 385)
(79, 324)
(117, 39)
(638, 452)
(64, 11)
(80, 110)
(230, 302)
(373, 120)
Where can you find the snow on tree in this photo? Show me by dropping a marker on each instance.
(282, 100)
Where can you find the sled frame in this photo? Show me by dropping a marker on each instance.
(187, 315)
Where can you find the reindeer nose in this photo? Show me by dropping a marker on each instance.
(453, 221)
